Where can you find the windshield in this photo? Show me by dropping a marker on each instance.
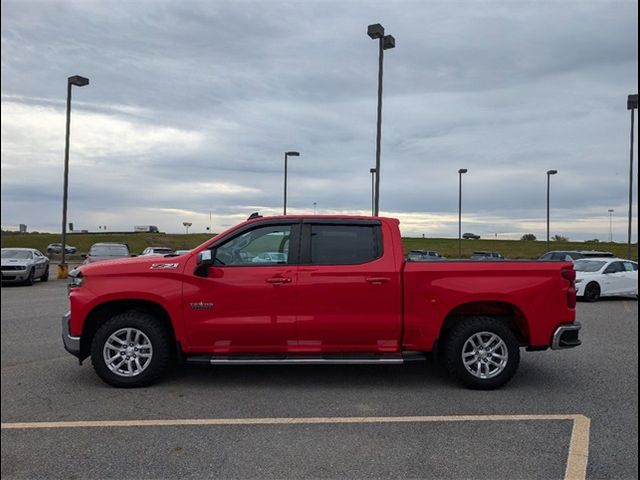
(588, 265)
(19, 254)
(109, 251)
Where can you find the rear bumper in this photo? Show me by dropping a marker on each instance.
(71, 344)
(566, 336)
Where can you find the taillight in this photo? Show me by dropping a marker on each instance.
(569, 274)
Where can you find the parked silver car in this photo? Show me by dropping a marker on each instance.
(24, 265)
(57, 248)
(106, 251)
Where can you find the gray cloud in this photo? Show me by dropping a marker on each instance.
(192, 104)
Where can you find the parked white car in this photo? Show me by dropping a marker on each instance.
(270, 257)
(156, 251)
(605, 277)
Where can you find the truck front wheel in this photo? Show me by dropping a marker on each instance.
(482, 353)
(131, 349)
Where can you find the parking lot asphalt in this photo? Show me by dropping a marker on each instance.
(442, 430)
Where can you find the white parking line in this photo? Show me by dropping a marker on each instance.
(577, 459)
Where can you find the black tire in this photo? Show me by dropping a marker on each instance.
(31, 277)
(459, 342)
(45, 275)
(154, 335)
(592, 292)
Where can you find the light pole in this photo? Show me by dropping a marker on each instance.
(632, 104)
(314, 207)
(372, 171)
(78, 81)
(286, 155)
(611, 210)
(460, 173)
(376, 31)
(549, 173)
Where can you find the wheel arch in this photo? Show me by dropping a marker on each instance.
(100, 313)
(589, 284)
(507, 312)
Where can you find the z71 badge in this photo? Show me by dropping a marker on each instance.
(163, 266)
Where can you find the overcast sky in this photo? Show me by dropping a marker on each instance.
(192, 105)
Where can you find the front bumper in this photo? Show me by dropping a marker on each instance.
(71, 344)
(15, 275)
(566, 336)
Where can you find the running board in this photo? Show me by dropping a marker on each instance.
(306, 360)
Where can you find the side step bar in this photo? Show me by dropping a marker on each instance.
(305, 360)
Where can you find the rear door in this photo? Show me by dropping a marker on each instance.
(349, 290)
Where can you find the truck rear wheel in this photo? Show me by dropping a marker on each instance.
(482, 353)
(131, 349)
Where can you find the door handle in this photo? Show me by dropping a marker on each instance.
(278, 280)
(378, 280)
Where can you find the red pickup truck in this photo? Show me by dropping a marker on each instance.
(315, 289)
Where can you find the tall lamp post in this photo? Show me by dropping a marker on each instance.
(611, 210)
(549, 173)
(460, 173)
(372, 171)
(376, 32)
(632, 104)
(78, 81)
(286, 156)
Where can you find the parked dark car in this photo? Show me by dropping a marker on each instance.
(486, 256)
(106, 251)
(470, 236)
(423, 256)
(573, 255)
(57, 248)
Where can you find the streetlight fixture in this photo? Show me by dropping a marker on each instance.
(286, 156)
(78, 81)
(376, 32)
(460, 173)
(611, 210)
(549, 173)
(632, 104)
(314, 207)
(372, 171)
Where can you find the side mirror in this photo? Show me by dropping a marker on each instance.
(84, 255)
(204, 260)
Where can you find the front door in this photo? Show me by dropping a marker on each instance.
(247, 301)
(614, 279)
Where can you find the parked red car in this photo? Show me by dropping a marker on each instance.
(340, 292)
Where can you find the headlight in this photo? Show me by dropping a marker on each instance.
(75, 278)
(578, 280)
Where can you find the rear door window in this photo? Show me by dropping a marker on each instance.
(344, 244)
